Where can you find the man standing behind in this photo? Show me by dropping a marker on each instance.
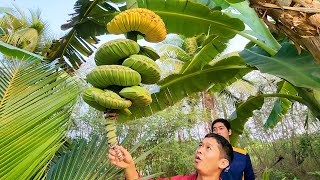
(241, 167)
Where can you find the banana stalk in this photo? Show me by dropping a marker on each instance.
(110, 124)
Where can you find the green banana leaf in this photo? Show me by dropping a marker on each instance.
(190, 18)
(171, 51)
(17, 53)
(79, 42)
(300, 70)
(177, 86)
(281, 105)
(311, 100)
(35, 108)
(89, 160)
(250, 17)
(211, 47)
(242, 114)
(244, 110)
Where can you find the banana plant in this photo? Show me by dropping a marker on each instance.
(36, 101)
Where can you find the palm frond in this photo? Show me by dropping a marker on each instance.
(35, 108)
(88, 160)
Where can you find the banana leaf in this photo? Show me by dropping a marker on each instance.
(79, 42)
(301, 70)
(191, 18)
(35, 109)
(250, 17)
(177, 86)
(281, 105)
(244, 111)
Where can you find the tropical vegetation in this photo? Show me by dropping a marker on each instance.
(40, 87)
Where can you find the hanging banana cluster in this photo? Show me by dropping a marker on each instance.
(123, 65)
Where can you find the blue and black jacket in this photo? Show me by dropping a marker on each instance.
(240, 168)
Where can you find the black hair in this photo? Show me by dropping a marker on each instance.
(224, 121)
(224, 146)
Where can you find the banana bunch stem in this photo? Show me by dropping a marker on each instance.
(111, 133)
(133, 35)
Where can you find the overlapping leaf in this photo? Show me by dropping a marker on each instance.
(177, 86)
(17, 53)
(300, 70)
(35, 107)
(281, 105)
(191, 18)
(89, 160)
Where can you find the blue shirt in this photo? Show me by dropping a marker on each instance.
(240, 168)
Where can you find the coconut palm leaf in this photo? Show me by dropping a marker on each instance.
(20, 31)
(177, 86)
(35, 108)
(88, 160)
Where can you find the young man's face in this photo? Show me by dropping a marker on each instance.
(208, 159)
(221, 129)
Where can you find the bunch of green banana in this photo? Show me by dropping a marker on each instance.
(122, 66)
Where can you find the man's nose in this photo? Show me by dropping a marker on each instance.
(200, 149)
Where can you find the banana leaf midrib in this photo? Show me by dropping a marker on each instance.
(210, 21)
(163, 86)
(295, 69)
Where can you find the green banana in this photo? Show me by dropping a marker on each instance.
(148, 69)
(114, 51)
(138, 95)
(106, 75)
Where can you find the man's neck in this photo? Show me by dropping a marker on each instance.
(211, 177)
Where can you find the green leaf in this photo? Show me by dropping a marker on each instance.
(281, 105)
(177, 86)
(311, 99)
(212, 47)
(35, 109)
(88, 21)
(243, 112)
(250, 17)
(190, 18)
(171, 51)
(300, 70)
(89, 160)
(17, 53)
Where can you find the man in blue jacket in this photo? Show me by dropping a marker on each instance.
(241, 167)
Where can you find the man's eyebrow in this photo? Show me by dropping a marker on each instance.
(218, 126)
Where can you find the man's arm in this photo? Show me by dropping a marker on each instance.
(248, 171)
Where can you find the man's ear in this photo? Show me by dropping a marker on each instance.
(230, 132)
(223, 163)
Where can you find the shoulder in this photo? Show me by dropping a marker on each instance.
(239, 150)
